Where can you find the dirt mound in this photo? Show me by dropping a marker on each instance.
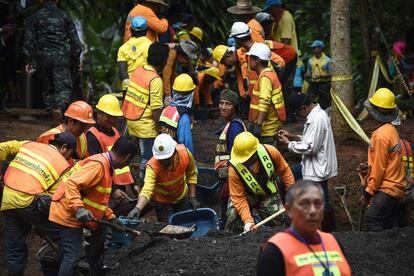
(220, 253)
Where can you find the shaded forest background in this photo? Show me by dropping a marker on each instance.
(103, 23)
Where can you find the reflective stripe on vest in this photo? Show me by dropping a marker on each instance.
(121, 176)
(169, 121)
(82, 146)
(276, 98)
(35, 168)
(300, 261)
(250, 181)
(171, 186)
(221, 147)
(138, 93)
(407, 157)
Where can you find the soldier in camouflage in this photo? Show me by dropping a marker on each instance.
(51, 45)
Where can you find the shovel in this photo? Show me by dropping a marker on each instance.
(172, 231)
(341, 191)
(263, 222)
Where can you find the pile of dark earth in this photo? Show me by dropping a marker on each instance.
(221, 253)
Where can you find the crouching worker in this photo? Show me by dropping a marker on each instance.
(29, 182)
(170, 179)
(302, 249)
(83, 196)
(252, 181)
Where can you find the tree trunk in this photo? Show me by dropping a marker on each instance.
(363, 25)
(341, 64)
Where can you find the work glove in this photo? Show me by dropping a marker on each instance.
(194, 203)
(248, 226)
(119, 225)
(257, 130)
(167, 100)
(125, 84)
(135, 213)
(83, 215)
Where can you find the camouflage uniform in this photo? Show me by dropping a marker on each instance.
(52, 45)
(264, 205)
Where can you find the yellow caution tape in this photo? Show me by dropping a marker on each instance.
(342, 78)
(348, 116)
(379, 65)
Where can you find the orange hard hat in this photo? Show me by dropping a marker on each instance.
(80, 111)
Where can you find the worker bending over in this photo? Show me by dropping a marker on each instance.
(170, 179)
(385, 181)
(303, 249)
(83, 196)
(252, 180)
(29, 182)
(78, 118)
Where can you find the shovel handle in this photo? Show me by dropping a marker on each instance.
(117, 227)
(278, 213)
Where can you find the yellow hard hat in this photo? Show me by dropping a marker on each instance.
(213, 71)
(383, 98)
(197, 32)
(183, 83)
(109, 104)
(244, 146)
(219, 52)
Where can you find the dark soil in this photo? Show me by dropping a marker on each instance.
(220, 253)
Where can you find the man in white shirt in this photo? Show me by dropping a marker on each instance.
(317, 148)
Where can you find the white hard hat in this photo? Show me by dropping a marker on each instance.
(239, 30)
(260, 50)
(164, 146)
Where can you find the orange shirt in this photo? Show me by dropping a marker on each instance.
(258, 34)
(155, 25)
(238, 188)
(63, 211)
(169, 71)
(202, 88)
(385, 159)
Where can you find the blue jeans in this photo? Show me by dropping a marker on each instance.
(71, 249)
(17, 225)
(145, 147)
(70, 246)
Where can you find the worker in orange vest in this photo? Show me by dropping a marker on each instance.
(78, 118)
(29, 182)
(84, 196)
(170, 180)
(246, 12)
(303, 249)
(101, 138)
(385, 181)
(143, 101)
(267, 107)
(149, 10)
(175, 119)
(202, 94)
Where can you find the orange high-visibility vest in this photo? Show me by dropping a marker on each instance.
(82, 145)
(300, 261)
(223, 154)
(171, 186)
(408, 162)
(245, 72)
(35, 168)
(277, 96)
(138, 93)
(169, 119)
(121, 176)
(96, 199)
(287, 52)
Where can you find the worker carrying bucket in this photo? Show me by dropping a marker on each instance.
(170, 180)
(252, 181)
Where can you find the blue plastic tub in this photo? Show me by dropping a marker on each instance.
(122, 238)
(204, 218)
(207, 190)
